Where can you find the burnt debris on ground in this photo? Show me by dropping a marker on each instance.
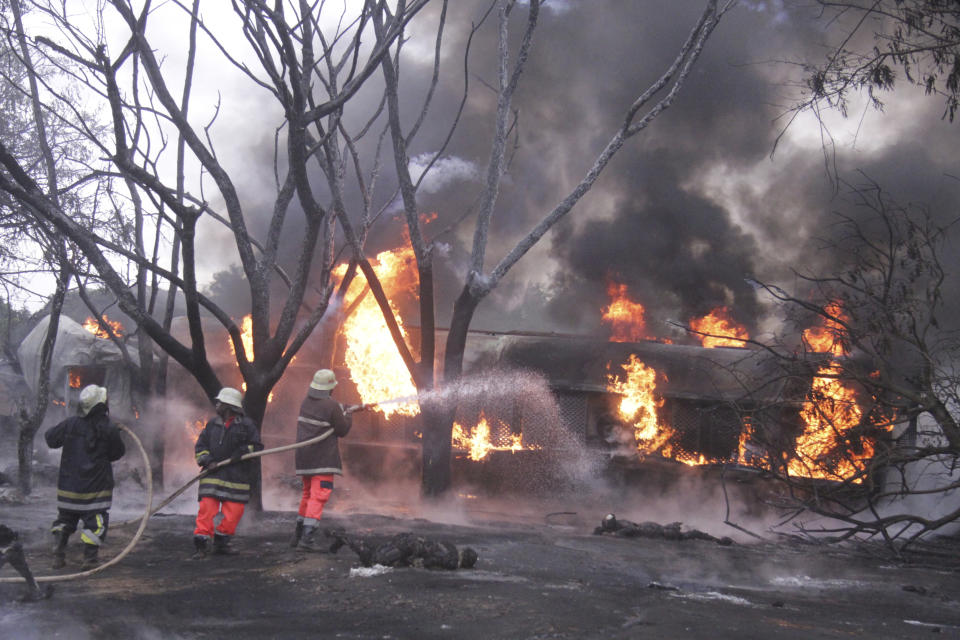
(538, 574)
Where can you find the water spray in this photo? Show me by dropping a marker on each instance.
(486, 386)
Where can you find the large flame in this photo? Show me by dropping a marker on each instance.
(823, 449)
(96, 327)
(718, 329)
(639, 404)
(478, 442)
(829, 447)
(624, 316)
(371, 355)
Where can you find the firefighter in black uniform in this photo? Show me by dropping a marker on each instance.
(225, 490)
(85, 486)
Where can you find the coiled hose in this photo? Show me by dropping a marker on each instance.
(149, 511)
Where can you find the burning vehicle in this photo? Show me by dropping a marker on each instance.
(83, 355)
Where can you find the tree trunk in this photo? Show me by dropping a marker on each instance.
(255, 406)
(438, 418)
(28, 430)
(30, 423)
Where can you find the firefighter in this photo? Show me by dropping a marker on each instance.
(225, 489)
(12, 551)
(317, 463)
(91, 443)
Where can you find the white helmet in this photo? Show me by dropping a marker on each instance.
(324, 380)
(91, 396)
(232, 397)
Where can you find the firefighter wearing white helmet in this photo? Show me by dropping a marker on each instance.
(91, 443)
(225, 488)
(316, 464)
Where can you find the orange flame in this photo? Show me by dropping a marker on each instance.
(720, 329)
(246, 337)
(827, 337)
(371, 355)
(477, 441)
(97, 327)
(639, 405)
(194, 428)
(624, 316)
(830, 412)
(748, 453)
(828, 447)
(75, 380)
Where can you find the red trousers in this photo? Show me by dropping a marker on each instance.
(316, 492)
(209, 508)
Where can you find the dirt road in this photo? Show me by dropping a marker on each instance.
(538, 576)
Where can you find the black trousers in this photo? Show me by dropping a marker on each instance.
(95, 523)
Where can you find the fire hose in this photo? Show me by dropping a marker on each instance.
(149, 511)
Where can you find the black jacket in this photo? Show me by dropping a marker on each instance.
(90, 444)
(219, 442)
(324, 456)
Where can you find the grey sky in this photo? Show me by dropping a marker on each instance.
(689, 208)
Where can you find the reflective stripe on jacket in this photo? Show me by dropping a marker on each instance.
(320, 413)
(221, 442)
(90, 444)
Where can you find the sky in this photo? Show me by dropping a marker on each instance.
(705, 199)
(717, 192)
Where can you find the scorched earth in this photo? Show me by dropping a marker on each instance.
(541, 573)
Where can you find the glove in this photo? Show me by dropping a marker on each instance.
(204, 460)
(236, 457)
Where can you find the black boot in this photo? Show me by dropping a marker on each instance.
(90, 552)
(309, 541)
(60, 549)
(297, 534)
(200, 547)
(221, 545)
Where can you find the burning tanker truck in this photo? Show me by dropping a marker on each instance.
(527, 398)
(635, 405)
(530, 401)
(630, 400)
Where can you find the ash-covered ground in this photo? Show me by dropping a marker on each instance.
(541, 573)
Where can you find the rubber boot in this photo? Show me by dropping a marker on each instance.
(60, 549)
(90, 560)
(297, 534)
(309, 541)
(200, 547)
(221, 545)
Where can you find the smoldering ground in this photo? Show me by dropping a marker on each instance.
(541, 570)
(541, 573)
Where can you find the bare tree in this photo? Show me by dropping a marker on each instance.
(291, 54)
(878, 39)
(481, 280)
(895, 350)
(311, 63)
